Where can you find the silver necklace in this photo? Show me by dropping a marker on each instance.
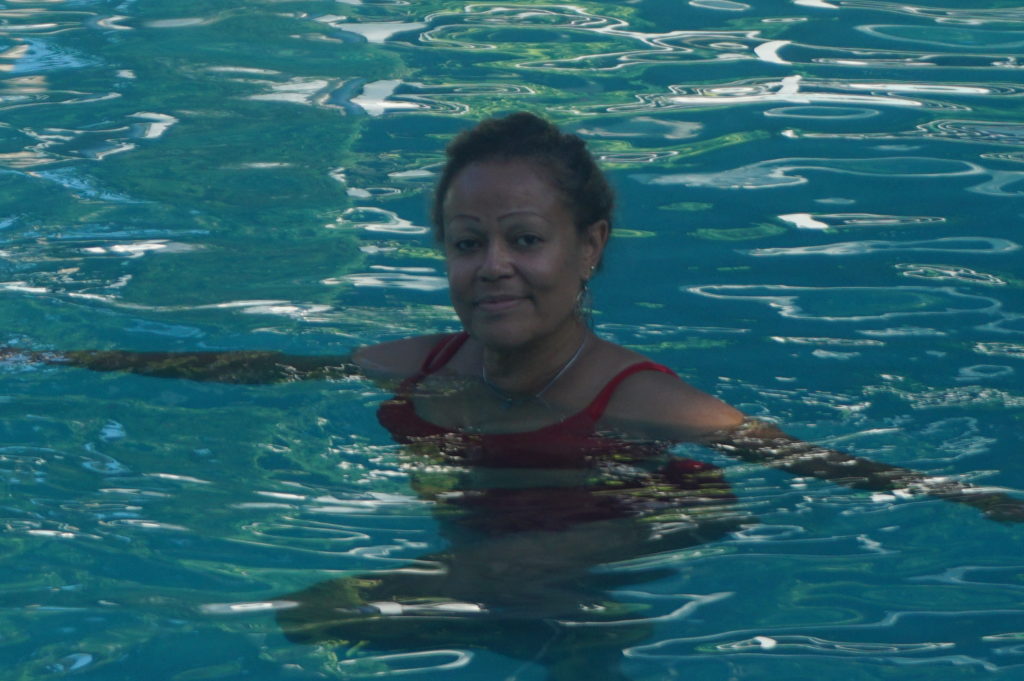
(508, 400)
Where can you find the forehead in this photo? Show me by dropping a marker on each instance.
(493, 186)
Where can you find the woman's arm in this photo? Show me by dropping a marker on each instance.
(763, 443)
(246, 367)
(384, 363)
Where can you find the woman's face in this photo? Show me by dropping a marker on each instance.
(515, 258)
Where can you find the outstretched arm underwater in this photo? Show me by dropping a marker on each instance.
(764, 443)
(753, 441)
(244, 367)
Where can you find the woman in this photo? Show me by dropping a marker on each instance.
(557, 438)
(523, 214)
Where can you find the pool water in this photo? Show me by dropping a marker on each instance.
(820, 223)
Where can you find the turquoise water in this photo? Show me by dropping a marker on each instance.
(820, 222)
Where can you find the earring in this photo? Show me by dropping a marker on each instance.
(583, 307)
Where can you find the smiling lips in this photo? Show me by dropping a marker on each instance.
(497, 303)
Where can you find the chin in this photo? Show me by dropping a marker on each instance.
(500, 334)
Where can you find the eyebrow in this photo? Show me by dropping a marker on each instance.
(465, 216)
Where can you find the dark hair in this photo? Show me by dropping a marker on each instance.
(526, 136)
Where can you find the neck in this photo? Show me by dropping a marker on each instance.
(527, 371)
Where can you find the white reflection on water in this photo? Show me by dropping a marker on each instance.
(811, 642)
(798, 642)
(960, 397)
(645, 126)
(398, 663)
(797, 89)
(468, 30)
(371, 31)
(183, 22)
(299, 312)
(822, 112)
(374, 98)
(961, 274)
(842, 342)
(395, 280)
(392, 96)
(958, 575)
(377, 220)
(138, 249)
(34, 55)
(318, 528)
(722, 5)
(827, 221)
(778, 173)
(957, 37)
(859, 303)
(960, 244)
(691, 603)
(984, 371)
(976, 16)
(1014, 350)
(111, 23)
(949, 130)
(297, 91)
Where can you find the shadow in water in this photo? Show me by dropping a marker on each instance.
(525, 574)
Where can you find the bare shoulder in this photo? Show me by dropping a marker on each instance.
(661, 405)
(397, 359)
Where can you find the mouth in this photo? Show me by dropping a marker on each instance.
(497, 303)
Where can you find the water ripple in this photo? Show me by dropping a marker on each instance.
(40, 20)
(780, 172)
(1013, 350)
(371, 31)
(798, 90)
(809, 641)
(572, 28)
(987, 245)
(801, 644)
(425, 661)
(722, 5)
(691, 603)
(958, 397)
(1003, 133)
(855, 303)
(958, 37)
(942, 15)
(964, 275)
(827, 221)
(37, 55)
(90, 112)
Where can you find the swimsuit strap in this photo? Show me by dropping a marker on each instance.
(596, 408)
(438, 356)
(442, 353)
(449, 345)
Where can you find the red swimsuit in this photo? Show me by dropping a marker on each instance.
(571, 443)
(620, 479)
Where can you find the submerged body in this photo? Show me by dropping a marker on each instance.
(556, 475)
(528, 515)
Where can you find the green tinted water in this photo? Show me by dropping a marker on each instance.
(820, 219)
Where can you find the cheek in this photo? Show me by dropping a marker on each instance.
(560, 273)
(458, 279)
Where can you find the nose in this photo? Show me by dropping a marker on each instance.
(497, 261)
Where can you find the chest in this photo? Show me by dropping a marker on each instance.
(469, 406)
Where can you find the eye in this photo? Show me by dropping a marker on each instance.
(527, 240)
(465, 245)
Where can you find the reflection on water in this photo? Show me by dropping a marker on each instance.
(828, 195)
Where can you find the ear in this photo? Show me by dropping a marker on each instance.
(593, 239)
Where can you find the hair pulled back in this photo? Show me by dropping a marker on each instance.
(526, 136)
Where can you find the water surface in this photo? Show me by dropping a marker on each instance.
(820, 222)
